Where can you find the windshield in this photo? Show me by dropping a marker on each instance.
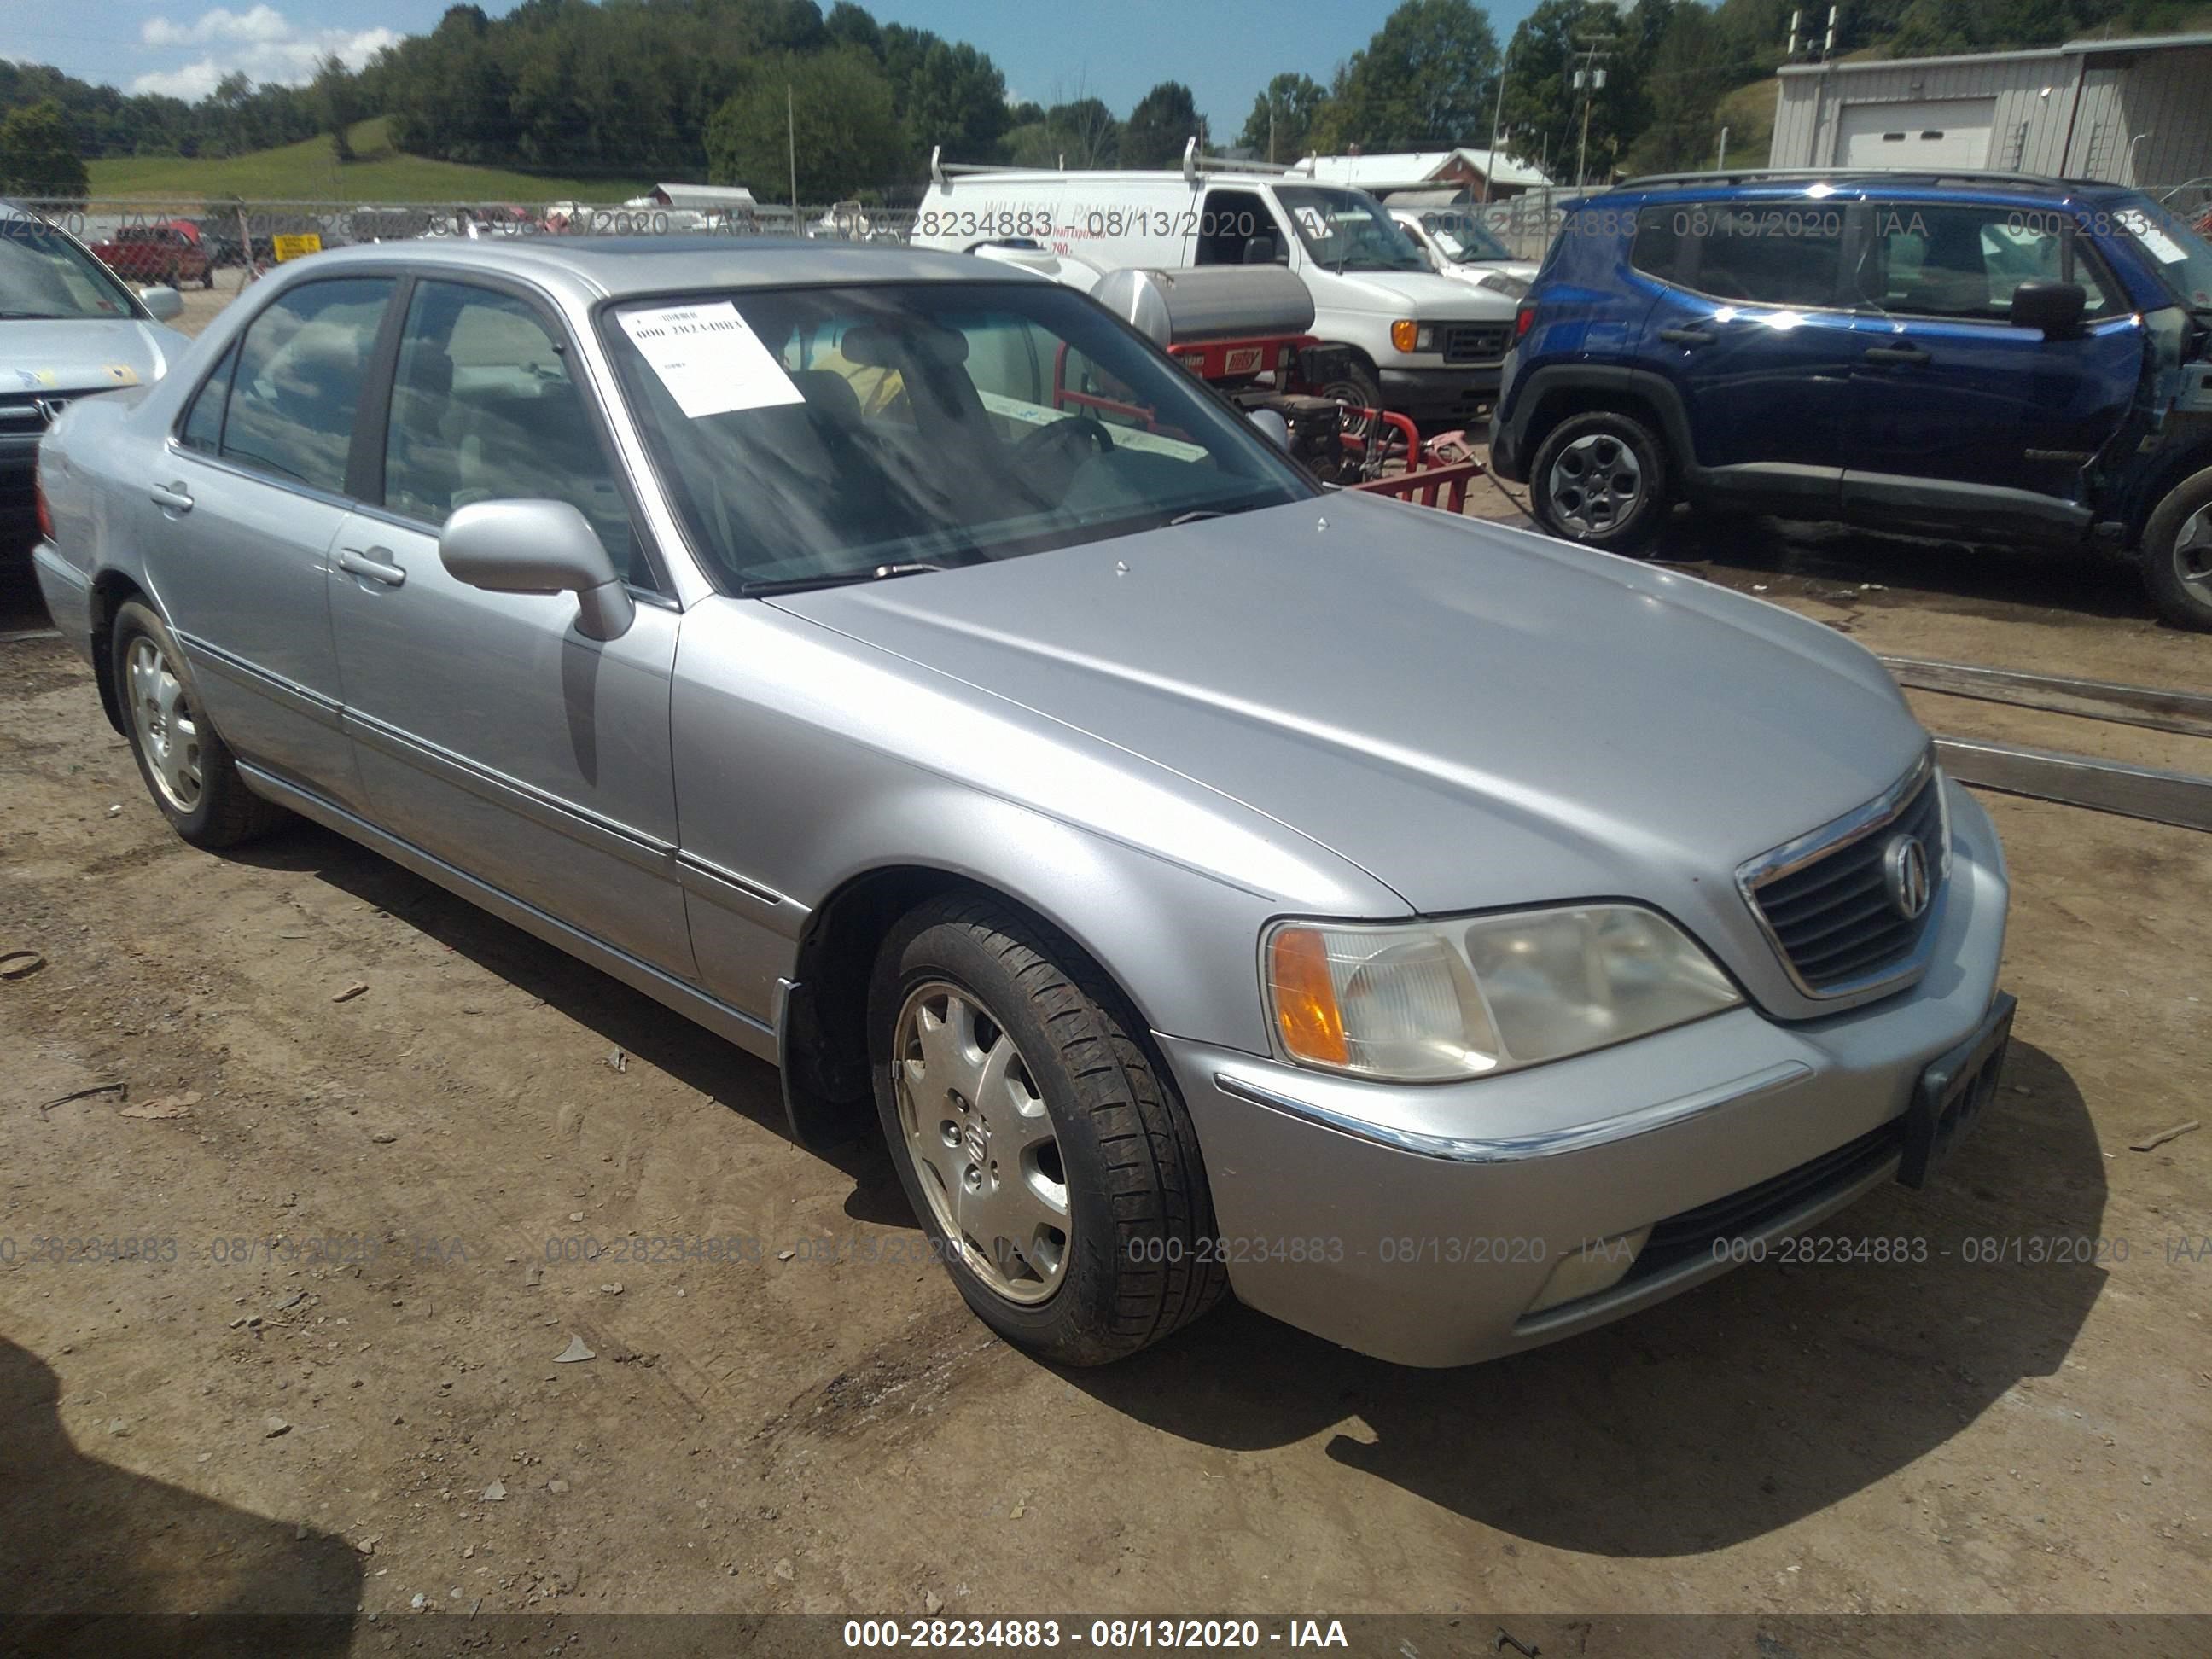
(816, 436)
(1462, 239)
(1346, 230)
(43, 274)
(2181, 257)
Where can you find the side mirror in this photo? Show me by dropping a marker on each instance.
(164, 302)
(539, 547)
(1272, 424)
(2054, 307)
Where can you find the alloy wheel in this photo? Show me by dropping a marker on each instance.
(982, 1142)
(1596, 483)
(168, 728)
(2192, 553)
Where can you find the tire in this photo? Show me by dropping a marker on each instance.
(1062, 1084)
(207, 275)
(2176, 554)
(187, 769)
(1602, 446)
(1357, 385)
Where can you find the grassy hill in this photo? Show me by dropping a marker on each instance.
(1749, 114)
(308, 172)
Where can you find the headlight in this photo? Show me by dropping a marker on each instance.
(1408, 336)
(1427, 1002)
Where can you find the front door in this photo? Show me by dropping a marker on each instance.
(1955, 412)
(487, 729)
(245, 505)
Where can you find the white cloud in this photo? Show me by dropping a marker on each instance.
(262, 23)
(263, 44)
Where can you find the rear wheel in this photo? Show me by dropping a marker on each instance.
(1047, 1157)
(188, 769)
(2176, 554)
(1600, 479)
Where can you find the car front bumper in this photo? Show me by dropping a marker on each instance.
(1417, 1224)
(1440, 397)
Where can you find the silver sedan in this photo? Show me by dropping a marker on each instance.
(1449, 938)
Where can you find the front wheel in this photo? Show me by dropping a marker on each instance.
(2176, 554)
(1048, 1158)
(188, 769)
(1600, 479)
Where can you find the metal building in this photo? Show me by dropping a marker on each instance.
(2137, 112)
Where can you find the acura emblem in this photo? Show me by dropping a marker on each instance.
(1905, 873)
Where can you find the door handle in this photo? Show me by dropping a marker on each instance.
(375, 564)
(1691, 336)
(174, 496)
(1897, 354)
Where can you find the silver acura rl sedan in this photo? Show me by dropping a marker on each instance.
(1449, 938)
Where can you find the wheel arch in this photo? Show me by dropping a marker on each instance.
(821, 1026)
(111, 591)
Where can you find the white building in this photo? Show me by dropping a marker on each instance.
(2134, 111)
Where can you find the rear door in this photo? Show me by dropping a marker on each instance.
(488, 730)
(1750, 328)
(240, 515)
(1955, 412)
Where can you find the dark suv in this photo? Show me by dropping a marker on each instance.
(1995, 357)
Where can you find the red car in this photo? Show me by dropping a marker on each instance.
(168, 253)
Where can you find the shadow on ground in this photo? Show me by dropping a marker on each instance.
(627, 1019)
(1730, 1411)
(82, 1541)
(1977, 580)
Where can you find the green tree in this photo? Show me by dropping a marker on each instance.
(1085, 131)
(847, 132)
(1165, 119)
(36, 156)
(1682, 88)
(338, 95)
(1424, 82)
(1282, 117)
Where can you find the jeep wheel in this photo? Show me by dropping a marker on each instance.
(2176, 554)
(1600, 479)
(1046, 1156)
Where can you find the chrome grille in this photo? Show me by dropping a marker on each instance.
(1825, 901)
(1476, 342)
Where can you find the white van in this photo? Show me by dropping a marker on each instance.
(1426, 345)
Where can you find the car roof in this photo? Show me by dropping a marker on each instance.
(592, 268)
(1818, 183)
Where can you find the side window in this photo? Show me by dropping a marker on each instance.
(300, 376)
(203, 428)
(483, 409)
(1236, 229)
(1769, 256)
(1657, 249)
(1965, 262)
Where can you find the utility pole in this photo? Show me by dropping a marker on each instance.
(1497, 112)
(790, 149)
(1588, 80)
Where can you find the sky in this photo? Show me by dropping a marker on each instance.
(1225, 51)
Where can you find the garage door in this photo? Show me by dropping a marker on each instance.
(1949, 132)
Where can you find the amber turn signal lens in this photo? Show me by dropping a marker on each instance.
(1404, 333)
(1306, 1013)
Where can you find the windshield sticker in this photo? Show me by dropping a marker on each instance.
(709, 359)
(2163, 247)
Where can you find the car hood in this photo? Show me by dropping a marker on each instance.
(1473, 715)
(85, 353)
(1424, 294)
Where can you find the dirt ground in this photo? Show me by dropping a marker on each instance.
(337, 1385)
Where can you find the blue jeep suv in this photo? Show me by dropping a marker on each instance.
(1992, 357)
